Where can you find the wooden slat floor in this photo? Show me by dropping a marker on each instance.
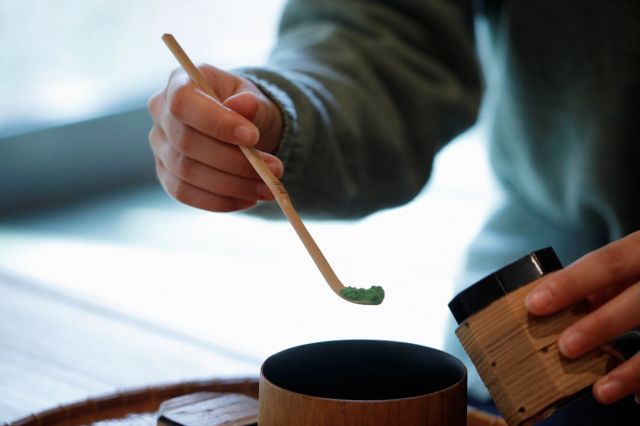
(55, 349)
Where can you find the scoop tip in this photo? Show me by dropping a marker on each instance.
(373, 295)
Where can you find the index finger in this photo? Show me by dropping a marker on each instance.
(614, 264)
(206, 114)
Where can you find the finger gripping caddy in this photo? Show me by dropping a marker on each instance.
(516, 354)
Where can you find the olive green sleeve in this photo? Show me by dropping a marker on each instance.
(370, 90)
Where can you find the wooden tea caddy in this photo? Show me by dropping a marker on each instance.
(516, 354)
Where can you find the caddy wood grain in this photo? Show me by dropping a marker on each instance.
(517, 356)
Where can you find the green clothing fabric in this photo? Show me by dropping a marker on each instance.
(371, 90)
(566, 121)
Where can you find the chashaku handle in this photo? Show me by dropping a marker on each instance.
(252, 155)
(273, 183)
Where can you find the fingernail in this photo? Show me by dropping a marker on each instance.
(246, 135)
(538, 300)
(571, 344)
(610, 390)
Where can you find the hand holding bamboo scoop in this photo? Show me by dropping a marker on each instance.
(371, 296)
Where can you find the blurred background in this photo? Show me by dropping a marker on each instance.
(107, 283)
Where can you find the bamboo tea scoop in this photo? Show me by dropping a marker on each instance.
(371, 296)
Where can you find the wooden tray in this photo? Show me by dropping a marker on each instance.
(136, 407)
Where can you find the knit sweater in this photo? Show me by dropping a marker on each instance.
(371, 90)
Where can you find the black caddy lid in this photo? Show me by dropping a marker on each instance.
(502, 282)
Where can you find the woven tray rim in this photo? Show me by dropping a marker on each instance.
(138, 400)
(147, 400)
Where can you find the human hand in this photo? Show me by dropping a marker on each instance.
(610, 279)
(195, 140)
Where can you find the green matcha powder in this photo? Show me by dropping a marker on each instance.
(373, 295)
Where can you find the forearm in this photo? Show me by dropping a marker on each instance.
(370, 91)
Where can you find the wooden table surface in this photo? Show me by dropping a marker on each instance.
(56, 349)
(89, 293)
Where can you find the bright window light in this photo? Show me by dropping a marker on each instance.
(69, 60)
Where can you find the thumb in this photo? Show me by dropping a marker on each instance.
(263, 114)
(244, 103)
